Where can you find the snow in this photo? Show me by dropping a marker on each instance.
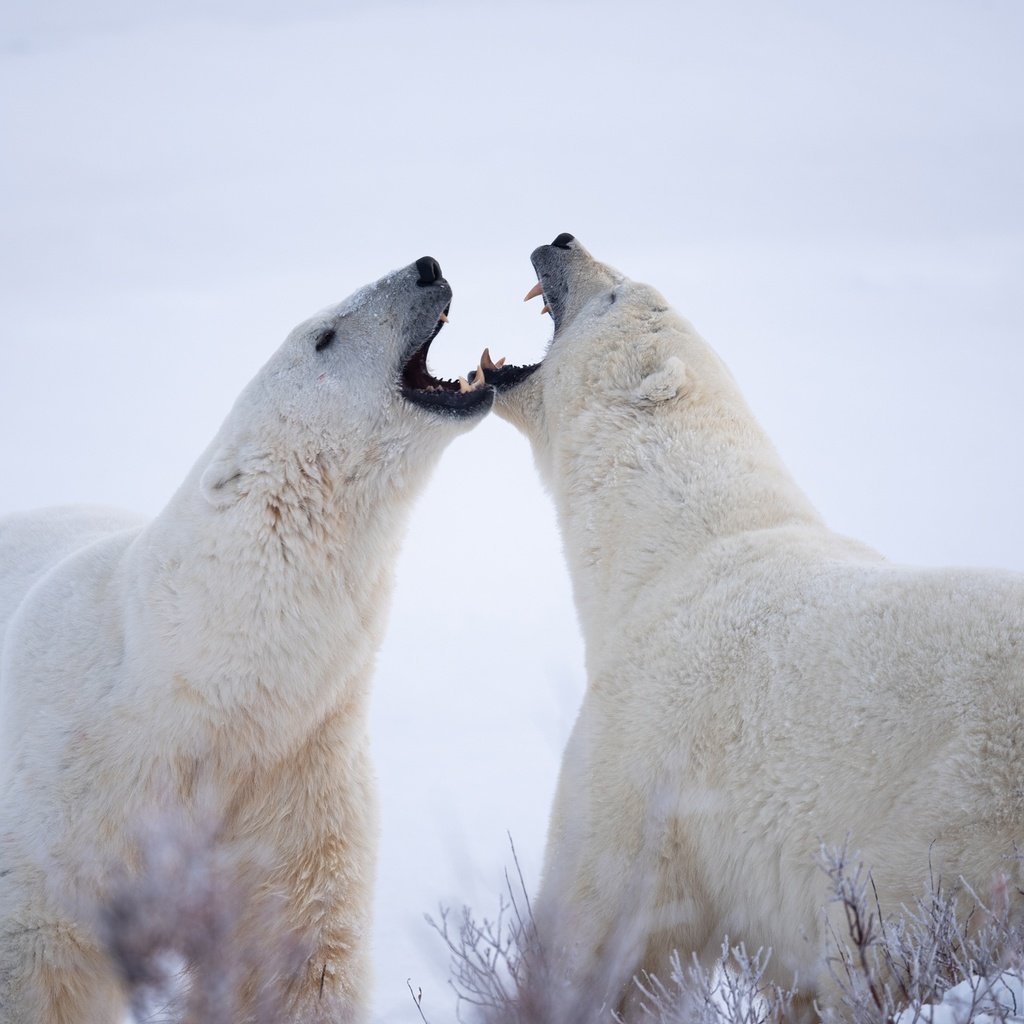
(830, 192)
(976, 1000)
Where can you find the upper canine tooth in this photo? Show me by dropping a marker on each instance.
(534, 292)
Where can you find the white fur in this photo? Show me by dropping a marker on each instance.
(756, 683)
(216, 660)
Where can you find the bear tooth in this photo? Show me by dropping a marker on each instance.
(546, 309)
(464, 385)
(534, 292)
(488, 363)
(443, 318)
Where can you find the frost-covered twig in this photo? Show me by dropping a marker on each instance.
(900, 966)
(734, 991)
(503, 973)
(952, 958)
(193, 938)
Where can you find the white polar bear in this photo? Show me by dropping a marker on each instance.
(756, 683)
(222, 652)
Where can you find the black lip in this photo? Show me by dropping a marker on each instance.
(451, 403)
(505, 377)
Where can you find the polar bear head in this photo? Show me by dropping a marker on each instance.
(638, 430)
(618, 354)
(346, 399)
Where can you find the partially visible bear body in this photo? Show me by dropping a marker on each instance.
(757, 684)
(216, 661)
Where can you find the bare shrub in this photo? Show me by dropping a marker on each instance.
(903, 964)
(498, 967)
(885, 968)
(733, 991)
(190, 933)
(502, 972)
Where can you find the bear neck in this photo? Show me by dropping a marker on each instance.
(656, 493)
(282, 597)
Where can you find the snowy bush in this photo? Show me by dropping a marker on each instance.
(904, 965)
(174, 929)
(952, 958)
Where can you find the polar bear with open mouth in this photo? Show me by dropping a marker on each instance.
(222, 652)
(757, 684)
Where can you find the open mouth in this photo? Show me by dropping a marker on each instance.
(498, 374)
(455, 397)
(552, 288)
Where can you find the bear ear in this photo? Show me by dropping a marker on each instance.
(224, 480)
(662, 385)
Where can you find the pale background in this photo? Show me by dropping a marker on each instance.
(832, 192)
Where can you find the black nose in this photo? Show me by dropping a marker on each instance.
(429, 268)
(563, 240)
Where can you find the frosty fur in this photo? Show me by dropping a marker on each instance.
(216, 661)
(757, 684)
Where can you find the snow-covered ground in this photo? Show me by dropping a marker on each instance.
(976, 1000)
(833, 193)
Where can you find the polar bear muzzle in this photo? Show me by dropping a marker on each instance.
(554, 265)
(417, 384)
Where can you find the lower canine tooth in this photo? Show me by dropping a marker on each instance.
(488, 363)
(546, 309)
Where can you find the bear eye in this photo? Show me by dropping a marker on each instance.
(326, 337)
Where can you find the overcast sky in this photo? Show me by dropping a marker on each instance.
(832, 193)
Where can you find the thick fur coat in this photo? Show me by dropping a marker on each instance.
(217, 661)
(757, 684)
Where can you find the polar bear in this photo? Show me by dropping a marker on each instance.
(757, 684)
(223, 648)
